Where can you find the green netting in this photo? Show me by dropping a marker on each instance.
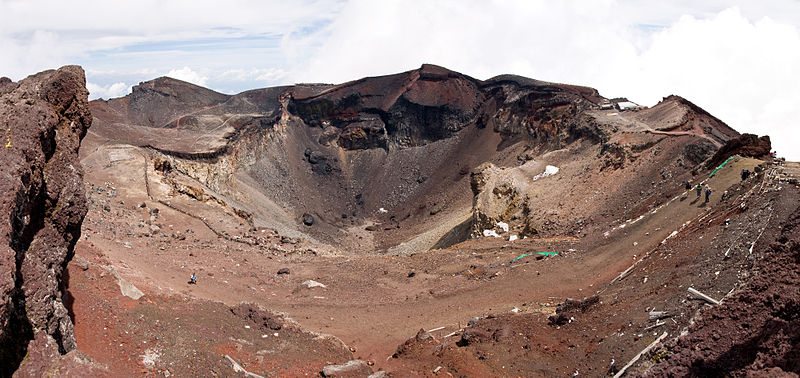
(720, 166)
(535, 253)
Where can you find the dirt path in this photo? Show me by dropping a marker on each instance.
(619, 118)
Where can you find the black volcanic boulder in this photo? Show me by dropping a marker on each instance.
(42, 203)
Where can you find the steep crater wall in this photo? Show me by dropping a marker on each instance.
(382, 162)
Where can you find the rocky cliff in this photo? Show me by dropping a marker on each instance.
(433, 103)
(44, 117)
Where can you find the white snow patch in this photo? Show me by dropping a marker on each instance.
(490, 233)
(503, 226)
(383, 211)
(548, 171)
(513, 237)
(670, 235)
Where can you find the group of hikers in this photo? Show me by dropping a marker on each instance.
(700, 190)
(707, 190)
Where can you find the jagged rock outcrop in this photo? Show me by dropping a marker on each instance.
(501, 194)
(748, 145)
(43, 203)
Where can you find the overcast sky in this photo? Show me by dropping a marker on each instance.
(738, 60)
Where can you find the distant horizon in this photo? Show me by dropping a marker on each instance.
(737, 60)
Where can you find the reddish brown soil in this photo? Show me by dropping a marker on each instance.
(372, 304)
(753, 329)
(177, 334)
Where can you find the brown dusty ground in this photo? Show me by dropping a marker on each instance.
(373, 303)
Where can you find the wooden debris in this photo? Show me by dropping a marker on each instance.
(636, 358)
(239, 369)
(703, 296)
(655, 315)
(658, 324)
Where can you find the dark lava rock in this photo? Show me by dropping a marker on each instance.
(308, 219)
(261, 319)
(558, 319)
(570, 307)
(283, 271)
(697, 153)
(163, 166)
(6, 85)
(418, 341)
(474, 335)
(43, 203)
(316, 157)
(747, 145)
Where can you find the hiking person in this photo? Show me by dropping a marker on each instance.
(688, 187)
(708, 192)
(193, 279)
(745, 174)
(699, 189)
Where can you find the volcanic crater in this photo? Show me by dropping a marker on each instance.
(425, 223)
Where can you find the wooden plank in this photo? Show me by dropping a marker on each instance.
(703, 296)
(636, 358)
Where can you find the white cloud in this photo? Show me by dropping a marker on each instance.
(186, 74)
(110, 91)
(252, 75)
(735, 58)
(741, 71)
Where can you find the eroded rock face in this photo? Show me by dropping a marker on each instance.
(748, 145)
(504, 194)
(42, 201)
(433, 103)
